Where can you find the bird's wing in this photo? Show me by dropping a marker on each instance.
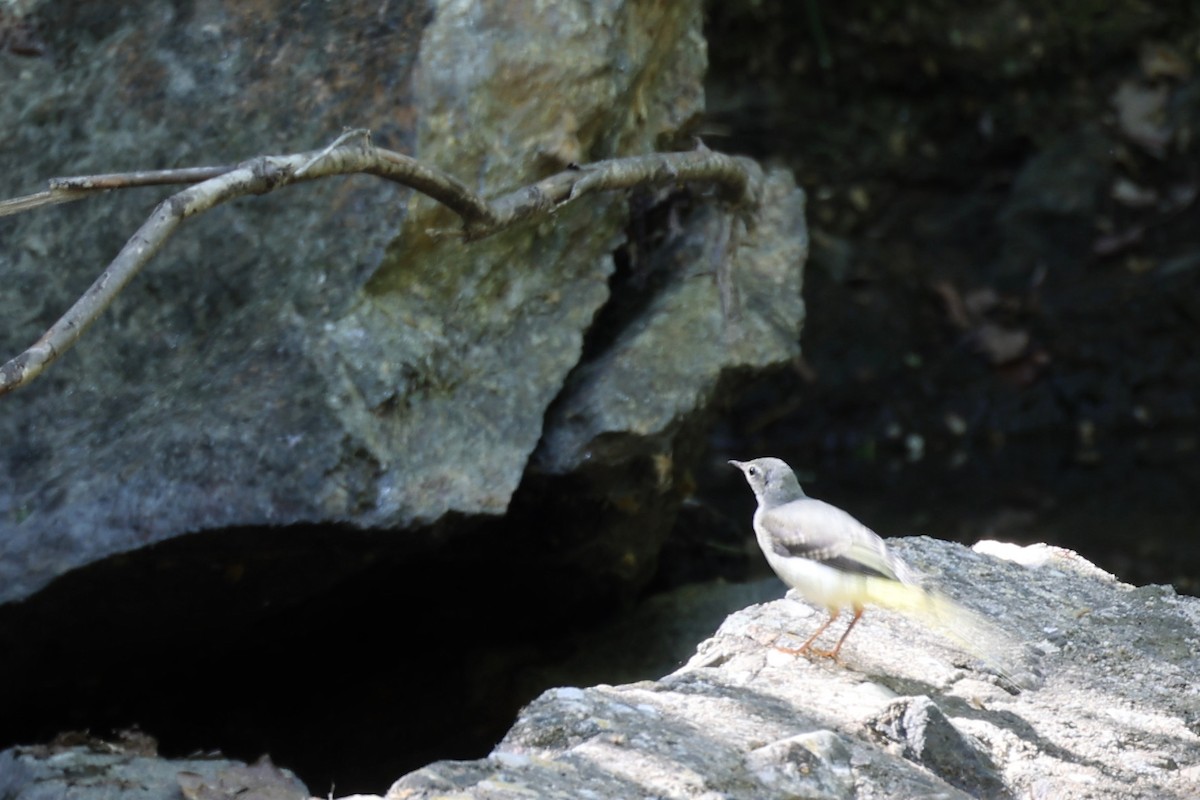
(821, 532)
(818, 531)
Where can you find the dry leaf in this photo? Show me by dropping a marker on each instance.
(1001, 345)
(1128, 193)
(981, 301)
(1141, 115)
(1116, 242)
(956, 309)
(1160, 60)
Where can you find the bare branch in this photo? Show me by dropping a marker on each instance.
(656, 169)
(216, 185)
(126, 180)
(65, 190)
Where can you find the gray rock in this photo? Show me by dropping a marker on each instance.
(90, 769)
(635, 395)
(926, 736)
(905, 715)
(613, 464)
(815, 765)
(315, 356)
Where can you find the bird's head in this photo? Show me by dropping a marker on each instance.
(771, 479)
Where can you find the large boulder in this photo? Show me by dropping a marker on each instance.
(317, 356)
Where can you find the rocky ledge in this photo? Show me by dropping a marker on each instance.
(1109, 705)
(1115, 711)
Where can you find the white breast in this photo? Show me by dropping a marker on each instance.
(818, 583)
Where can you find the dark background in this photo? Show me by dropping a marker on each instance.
(1002, 293)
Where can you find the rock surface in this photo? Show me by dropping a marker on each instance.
(905, 715)
(83, 768)
(315, 356)
(1108, 708)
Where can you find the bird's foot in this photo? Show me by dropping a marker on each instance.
(809, 651)
(830, 654)
(794, 651)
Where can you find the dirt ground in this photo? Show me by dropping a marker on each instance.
(1003, 284)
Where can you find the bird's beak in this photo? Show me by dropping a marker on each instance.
(739, 464)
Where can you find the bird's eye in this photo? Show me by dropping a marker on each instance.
(752, 471)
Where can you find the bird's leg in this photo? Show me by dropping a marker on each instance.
(858, 612)
(807, 646)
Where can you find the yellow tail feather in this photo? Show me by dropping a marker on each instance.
(970, 631)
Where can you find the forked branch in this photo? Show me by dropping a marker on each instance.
(350, 153)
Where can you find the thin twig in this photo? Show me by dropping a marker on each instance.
(29, 202)
(363, 132)
(216, 185)
(66, 190)
(126, 180)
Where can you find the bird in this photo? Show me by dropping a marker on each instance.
(835, 561)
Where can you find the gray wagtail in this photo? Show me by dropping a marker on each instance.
(835, 561)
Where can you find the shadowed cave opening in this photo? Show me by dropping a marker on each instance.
(349, 657)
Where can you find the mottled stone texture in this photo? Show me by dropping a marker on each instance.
(194, 402)
(82, 768)
(902, 715)
(317, 356)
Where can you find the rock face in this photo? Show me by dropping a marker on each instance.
(1108, 708)
(316, 357)
(1113, 715)
(83, 768)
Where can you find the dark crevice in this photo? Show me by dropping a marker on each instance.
(350, 657)
(642, 269)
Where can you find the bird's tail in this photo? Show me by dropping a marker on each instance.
(971, 631)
